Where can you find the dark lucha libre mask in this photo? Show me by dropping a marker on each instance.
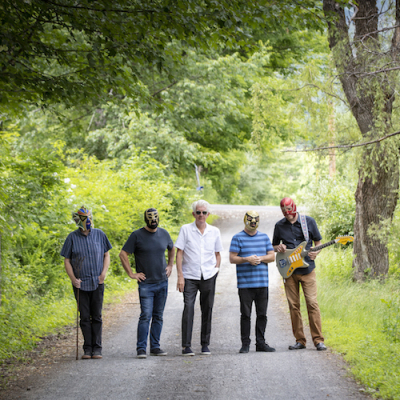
(151, 218)
(251, 220)
(288, 207)
(83, 218)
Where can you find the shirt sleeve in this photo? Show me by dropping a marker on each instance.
(130, 244)
(313, 228)
(180, 242)
(106, 243)
(170, 242)
(268, 244)
(66, 250)
(235, 246)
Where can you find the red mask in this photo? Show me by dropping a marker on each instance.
(288, 207)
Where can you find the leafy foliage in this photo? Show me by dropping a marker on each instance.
(68, 52)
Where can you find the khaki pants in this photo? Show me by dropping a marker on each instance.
(309, 286)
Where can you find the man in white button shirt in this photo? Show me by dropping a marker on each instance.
(197, 261)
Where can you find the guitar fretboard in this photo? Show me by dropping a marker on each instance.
(321, 246)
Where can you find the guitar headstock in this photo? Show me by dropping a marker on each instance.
(344, 239)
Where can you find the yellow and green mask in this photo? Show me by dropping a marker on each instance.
(251, 220)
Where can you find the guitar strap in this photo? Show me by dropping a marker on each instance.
(304, 226)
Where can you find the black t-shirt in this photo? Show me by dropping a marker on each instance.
(292, 235)
(149, 250)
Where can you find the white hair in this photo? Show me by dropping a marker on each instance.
(201, 203)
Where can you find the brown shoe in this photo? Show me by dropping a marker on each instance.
(86, 356)
(97, 356)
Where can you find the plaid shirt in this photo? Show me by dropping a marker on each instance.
(86, 254)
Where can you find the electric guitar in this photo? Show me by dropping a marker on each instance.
(292, 259)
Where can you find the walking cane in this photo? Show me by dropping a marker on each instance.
(78, 270)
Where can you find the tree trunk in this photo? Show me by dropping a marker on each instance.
(370, 96)
(375, 205)
(1, 280)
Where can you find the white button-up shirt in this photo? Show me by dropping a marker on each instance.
(199, 250)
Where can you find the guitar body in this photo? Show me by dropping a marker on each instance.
(290, 260)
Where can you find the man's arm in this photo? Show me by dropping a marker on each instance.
(181, 280)
(235, 259)
(106, 264)
(140, 276)
(70, 271)
(171, 255)
(218, 257)
(313, 254)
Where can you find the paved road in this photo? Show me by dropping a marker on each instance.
(226, 374)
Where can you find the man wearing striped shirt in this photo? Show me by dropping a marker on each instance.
(251, 250)
(87, 258)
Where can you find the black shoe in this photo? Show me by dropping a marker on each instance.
(158, 352)
(187, 351)
(205, 350)
(141, 353)
(87, 355)
(264, 347)
(297, 346)
(320, 346)
(245, 348)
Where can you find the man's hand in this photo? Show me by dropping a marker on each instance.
(181, 284)
(253, 260)
(76, 282)
(281, 248)
(140, 276)
(168, 270)
(102, 279)
(313, 255)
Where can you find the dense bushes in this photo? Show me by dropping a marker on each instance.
(36, 218)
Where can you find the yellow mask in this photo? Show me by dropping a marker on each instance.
(251, 220)
(151, 218)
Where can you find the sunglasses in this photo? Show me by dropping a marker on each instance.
(202, 212)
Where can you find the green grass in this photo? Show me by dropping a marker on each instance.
(26, 321)
(360, 321)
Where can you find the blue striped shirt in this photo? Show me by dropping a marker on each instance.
(86, 254)
(251, 276)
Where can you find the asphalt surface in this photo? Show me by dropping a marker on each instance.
(225, 374)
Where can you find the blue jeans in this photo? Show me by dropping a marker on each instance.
(152, 298)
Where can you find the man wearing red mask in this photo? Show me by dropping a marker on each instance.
(288, 234)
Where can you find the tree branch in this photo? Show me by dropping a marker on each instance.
(344, 146)
(165, 88)
(98, 9)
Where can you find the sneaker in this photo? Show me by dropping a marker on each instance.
(158, 352)
(245, 348)
(87, 356)
(187, 351)
(264, 347)
(141, 353)
(205, 350)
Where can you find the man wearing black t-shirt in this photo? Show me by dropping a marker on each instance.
(288, 234)
(148, 244)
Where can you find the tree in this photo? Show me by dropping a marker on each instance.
(83, 52)
(367, 63)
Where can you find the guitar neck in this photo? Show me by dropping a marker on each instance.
(320, 247)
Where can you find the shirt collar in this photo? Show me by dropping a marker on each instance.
(195, 228)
